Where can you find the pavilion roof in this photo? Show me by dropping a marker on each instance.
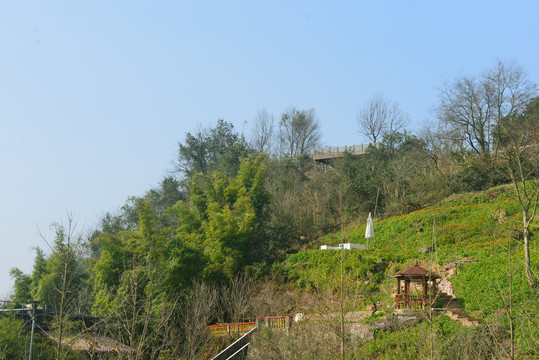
(415, 271)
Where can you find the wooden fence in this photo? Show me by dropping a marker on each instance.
(339, 150)
(237, 329)
(231, 329)
(417, 301)
(279, 322)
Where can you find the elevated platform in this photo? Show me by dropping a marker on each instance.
(330, 153)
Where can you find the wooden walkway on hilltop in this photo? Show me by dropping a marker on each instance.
(325, 154)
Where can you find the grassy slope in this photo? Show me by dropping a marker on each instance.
(484, 226)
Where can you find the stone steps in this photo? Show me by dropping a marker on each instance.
(453, 309)
(461, 317)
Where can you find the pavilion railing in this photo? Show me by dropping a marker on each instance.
(412, 301)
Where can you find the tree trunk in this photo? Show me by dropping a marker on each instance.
(62, 305)
(528, 270)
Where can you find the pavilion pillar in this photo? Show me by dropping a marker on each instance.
(397, 298)
(406, 293)
(425, 291)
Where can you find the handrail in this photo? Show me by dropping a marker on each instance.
(231, 324)
(233, 349)
(241, 352)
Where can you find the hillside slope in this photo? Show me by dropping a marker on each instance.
(485, 226)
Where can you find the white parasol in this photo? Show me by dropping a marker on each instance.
(369, 231)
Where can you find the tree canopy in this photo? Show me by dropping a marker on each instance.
(214, 149)
(299, 132)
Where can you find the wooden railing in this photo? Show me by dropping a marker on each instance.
(339, 150)
(279, 322)
(237, 329)
(416, 301)
(231, 329)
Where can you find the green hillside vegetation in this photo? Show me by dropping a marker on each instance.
(484, 225)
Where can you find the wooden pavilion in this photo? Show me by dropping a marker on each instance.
(416, 288)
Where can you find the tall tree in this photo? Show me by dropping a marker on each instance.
(372, 118)
(518, 136)
(473, 106)
(26, 286)
(225, 215)
(39, 269)
(379, 117)
(21, 286)
(215, 149)
(65, 277)
(396, 123)
(299, 132)
(263, 135)
(167, 194)
(201, 304)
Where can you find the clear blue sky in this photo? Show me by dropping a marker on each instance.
(96, 95)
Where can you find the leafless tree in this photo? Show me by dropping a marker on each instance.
(269, 301)
(299, 132)
(263, 135)
(61, 287)
(372, 118)
(397, 121)
(512, 90)
(473, 106)
(440, 139)
(237, 298)
(338, 295)
(173, 327)
(467, 107)
(519, 139)
(379, 117)
(200, 308)
(303, 341)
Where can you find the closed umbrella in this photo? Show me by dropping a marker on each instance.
(369, 231)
